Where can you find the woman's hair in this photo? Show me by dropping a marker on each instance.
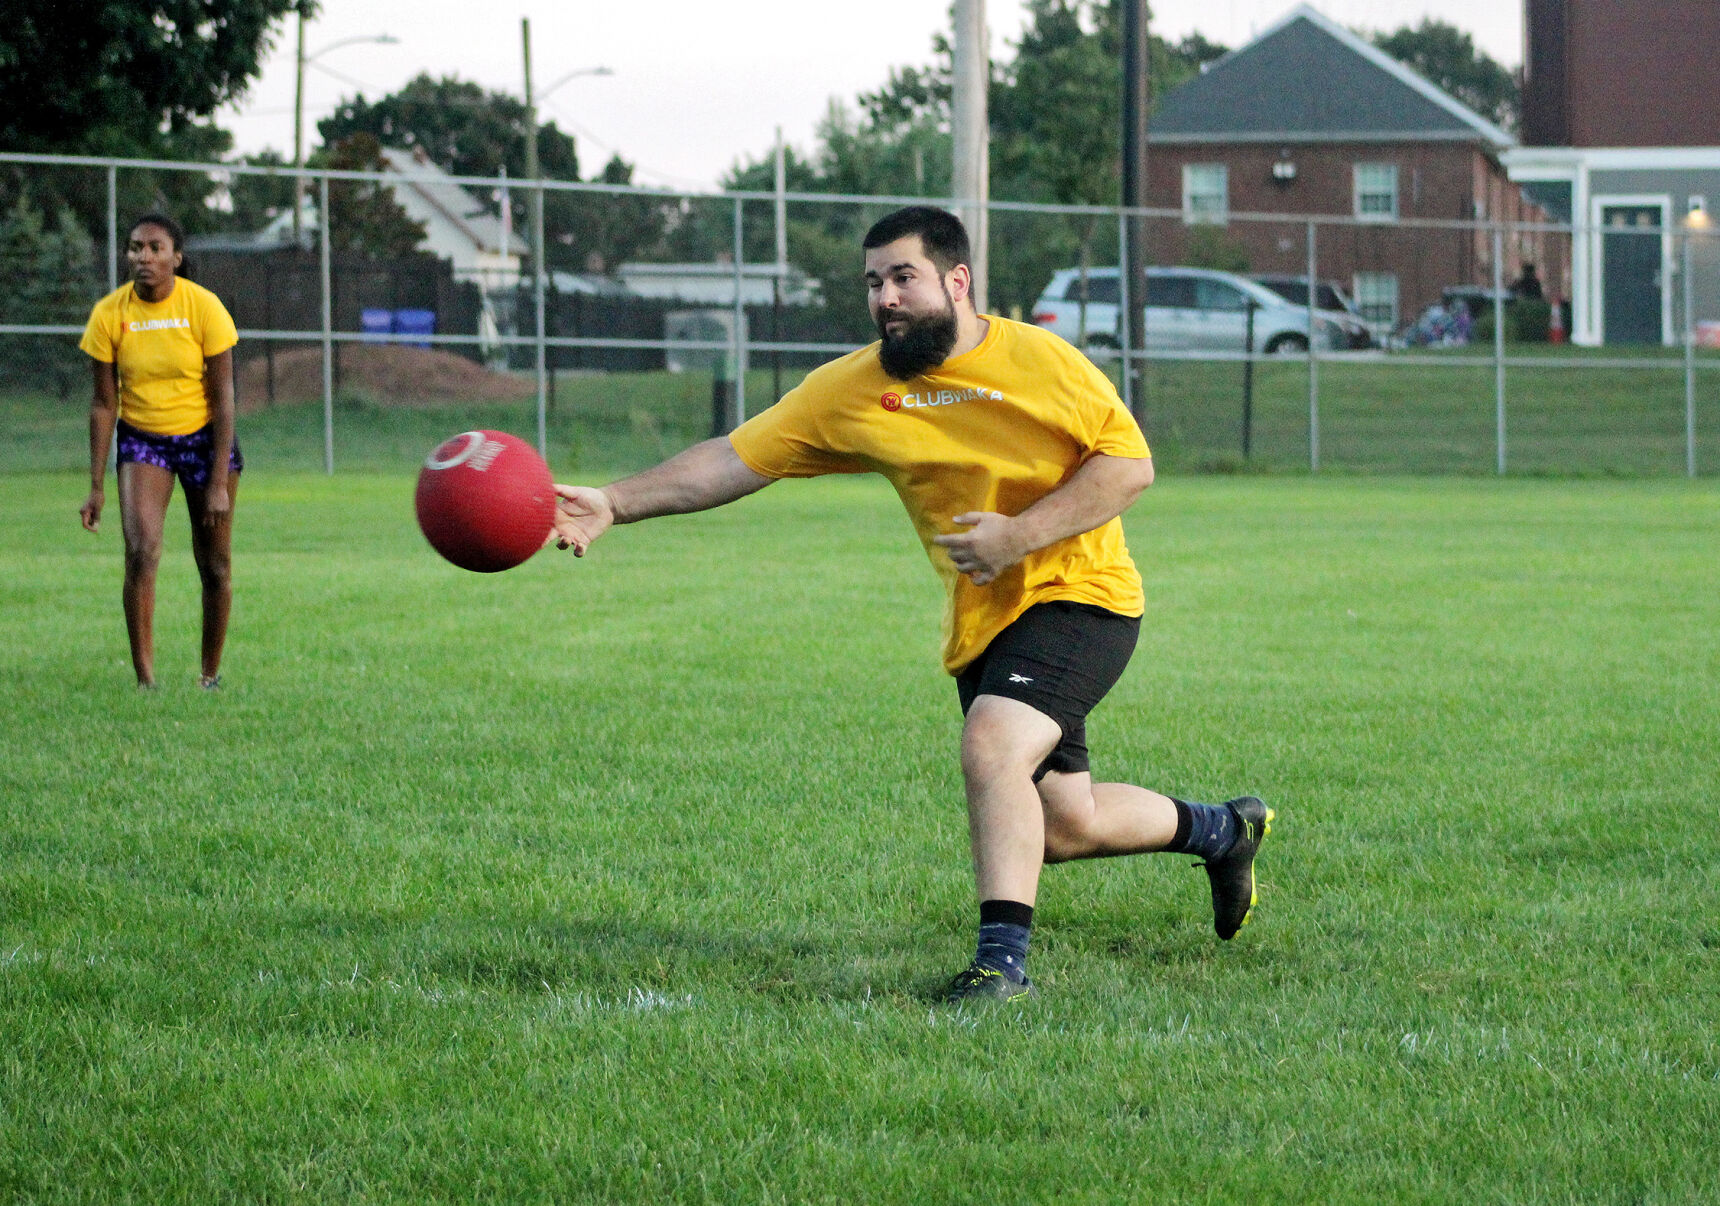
(174, 231)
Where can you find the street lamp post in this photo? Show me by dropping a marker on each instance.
(305, 60)
(532, 98)
(535, 199)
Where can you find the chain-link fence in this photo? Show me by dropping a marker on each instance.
(1421, 347)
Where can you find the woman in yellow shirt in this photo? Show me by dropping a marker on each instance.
(162, 348)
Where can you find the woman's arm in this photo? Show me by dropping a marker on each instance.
(104, 413)
(218, 386)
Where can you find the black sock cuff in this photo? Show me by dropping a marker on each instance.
(1010, 912)
(1185, 823)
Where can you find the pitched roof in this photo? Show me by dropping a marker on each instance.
(428, 195)
(1308, 79)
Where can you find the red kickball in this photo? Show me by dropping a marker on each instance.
(485, 500)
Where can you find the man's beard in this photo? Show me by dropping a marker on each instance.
(924, 343)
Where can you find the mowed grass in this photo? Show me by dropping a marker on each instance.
(634, 878)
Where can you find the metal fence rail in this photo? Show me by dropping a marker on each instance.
(1158, 382)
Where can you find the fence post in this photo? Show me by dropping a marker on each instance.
(740, 339)
(113, 227)
(538, 295)
(1125, 302)
(1313, 357)
(1689, 359)
(1499, 344)
(327, 329)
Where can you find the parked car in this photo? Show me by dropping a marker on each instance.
(1188, 309)
(1329, 299)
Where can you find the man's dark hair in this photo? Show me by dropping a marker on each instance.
(941, 234)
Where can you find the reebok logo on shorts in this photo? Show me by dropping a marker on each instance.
(1019, 678)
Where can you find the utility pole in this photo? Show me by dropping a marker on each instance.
(299, 134)
(535, 199)
(534, 194)
(1137, 102)
(970, 176)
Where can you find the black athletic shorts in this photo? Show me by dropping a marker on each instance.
(1059, 658)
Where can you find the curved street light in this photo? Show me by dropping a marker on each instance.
(305, 60)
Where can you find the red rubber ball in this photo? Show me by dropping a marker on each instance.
(485, 500)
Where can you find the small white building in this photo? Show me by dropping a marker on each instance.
(458, 226)
(714, 284)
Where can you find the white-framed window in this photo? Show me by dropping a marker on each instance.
(1206, 193)
(1377, 191)
(1376, 296)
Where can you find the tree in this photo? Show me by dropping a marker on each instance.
(253, 201)
(135, 78)
(1447, 56)
(1056, 137)
(469, 131)
(363, 214)
(52, 266)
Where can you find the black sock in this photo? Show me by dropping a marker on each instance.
(1205, 830)
(1004, 926)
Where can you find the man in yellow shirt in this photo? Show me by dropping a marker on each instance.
(1015, 459)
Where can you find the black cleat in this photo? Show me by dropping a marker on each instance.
(1233, 892)
(980, 985)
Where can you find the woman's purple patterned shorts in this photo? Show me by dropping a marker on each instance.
(187, 457)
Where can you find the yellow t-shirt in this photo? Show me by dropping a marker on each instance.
(160, 348)
(994, 429)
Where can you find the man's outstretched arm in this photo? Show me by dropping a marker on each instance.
(1096, 493)
(704, 476)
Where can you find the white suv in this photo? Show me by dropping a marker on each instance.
(1188, 309)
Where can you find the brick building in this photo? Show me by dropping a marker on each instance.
(1621, 133)
(1311, 120)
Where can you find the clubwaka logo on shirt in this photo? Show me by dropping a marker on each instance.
(158, 324)
(941, 397)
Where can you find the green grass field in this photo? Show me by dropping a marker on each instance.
(633, 878)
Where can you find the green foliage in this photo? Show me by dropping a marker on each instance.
(470, 131)
(132, 78)
(363, 214)
(462, 127)
(1527, 320)
(1447, 56)
(1055, 114)
(53, 278)
(253, 201)
(123, 77)
(1212, 246)
(597, 231)
(1532, 318)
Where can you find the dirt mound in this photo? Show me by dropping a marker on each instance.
(388, 374)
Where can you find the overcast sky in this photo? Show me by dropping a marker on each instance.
(698, 85)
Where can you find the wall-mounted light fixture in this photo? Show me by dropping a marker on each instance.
(1284, 169)
(1696, 212)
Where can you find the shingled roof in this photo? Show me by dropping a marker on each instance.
(1308, 79)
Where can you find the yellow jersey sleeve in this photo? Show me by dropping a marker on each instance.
(101, 332)
(790, 439)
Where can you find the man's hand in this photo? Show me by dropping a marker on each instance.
(91, 511)
(989, 546)
(582, 514)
